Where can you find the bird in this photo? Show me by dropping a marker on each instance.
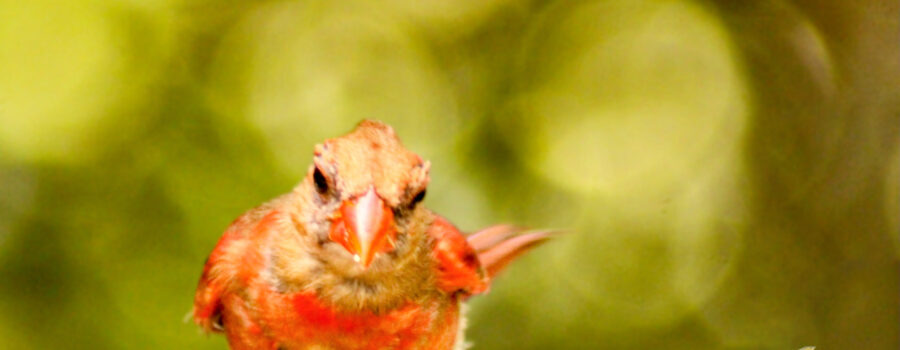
(351, 258)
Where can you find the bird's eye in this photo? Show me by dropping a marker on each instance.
(321, 182)
(418, 198)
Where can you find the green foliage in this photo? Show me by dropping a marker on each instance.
(729, 172)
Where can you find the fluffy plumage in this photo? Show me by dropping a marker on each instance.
(283, 275)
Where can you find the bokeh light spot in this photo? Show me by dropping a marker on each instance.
(643, 117)
(317, 69)
(56, 60)
(635, 108)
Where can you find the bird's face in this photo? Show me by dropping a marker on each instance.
(367, 187)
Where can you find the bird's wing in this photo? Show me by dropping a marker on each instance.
(458, 267)
(227, 264)
(469, 263)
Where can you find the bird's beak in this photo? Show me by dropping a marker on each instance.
(364, 226)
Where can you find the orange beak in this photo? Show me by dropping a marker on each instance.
(364, 226)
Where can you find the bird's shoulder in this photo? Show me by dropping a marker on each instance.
(459, 270)
(235, 261)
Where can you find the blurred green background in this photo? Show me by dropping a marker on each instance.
(728, 170)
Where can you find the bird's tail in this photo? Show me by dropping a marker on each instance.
(499, 245)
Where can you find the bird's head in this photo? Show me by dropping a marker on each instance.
(366, 188)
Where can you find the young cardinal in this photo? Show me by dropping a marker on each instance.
(350, 259)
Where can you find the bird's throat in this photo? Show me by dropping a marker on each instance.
(328, 270)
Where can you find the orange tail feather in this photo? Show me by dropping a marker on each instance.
(499, 245)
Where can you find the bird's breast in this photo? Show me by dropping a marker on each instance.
(301, 320)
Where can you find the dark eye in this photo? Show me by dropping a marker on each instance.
(418, 198)
(321, 182)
